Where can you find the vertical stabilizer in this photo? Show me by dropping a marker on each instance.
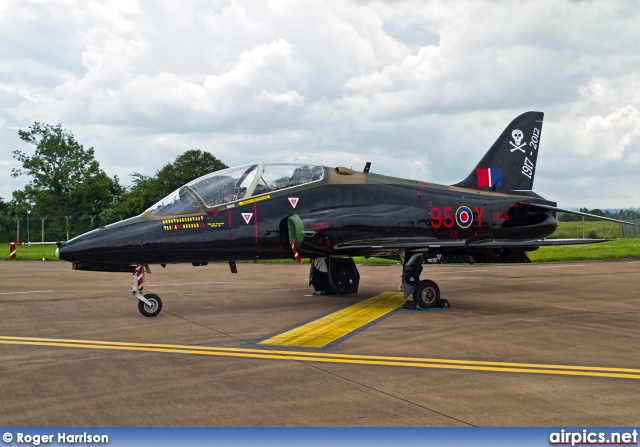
(510, 164)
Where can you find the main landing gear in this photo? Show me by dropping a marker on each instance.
(150, 304)
(330, 276)
(426, 293)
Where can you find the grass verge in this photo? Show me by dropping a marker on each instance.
(616, 249)
(31, 252)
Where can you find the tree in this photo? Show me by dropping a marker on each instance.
(95, 194)
(4, 206)
(66, 178)
(189, 166)
(144, 192)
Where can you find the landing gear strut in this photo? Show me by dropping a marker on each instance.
(150, 304)
(425, 292)
(334, 276)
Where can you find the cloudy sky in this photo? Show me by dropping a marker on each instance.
(419, 88)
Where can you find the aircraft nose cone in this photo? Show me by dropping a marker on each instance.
(58, 253)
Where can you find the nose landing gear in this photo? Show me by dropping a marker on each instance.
(150, 304)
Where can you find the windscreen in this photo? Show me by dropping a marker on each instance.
(178, 202)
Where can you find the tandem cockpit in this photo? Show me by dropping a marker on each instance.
(229, 185)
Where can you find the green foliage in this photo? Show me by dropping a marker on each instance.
(144, 193)
(66, 180)
(65, 177)
(189, 166)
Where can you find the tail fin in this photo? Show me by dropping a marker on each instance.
(510, 164)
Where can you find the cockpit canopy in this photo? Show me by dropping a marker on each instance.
(229, 185)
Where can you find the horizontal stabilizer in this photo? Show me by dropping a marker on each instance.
(577, 213)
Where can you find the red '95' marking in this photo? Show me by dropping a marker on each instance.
(437, 219)
(444, 216)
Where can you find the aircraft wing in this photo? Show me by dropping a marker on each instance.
(478, 242)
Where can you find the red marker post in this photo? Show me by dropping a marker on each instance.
(12, 250)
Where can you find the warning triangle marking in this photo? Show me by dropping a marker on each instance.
(293, 201)
(247, 217)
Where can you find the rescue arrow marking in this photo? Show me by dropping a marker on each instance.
(247, 217)
(293, 201)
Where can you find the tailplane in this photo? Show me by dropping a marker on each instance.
(510, 164)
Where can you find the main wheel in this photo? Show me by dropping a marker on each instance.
(343, 275)
(427, 294)
(154, 309)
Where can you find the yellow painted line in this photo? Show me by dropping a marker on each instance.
(71, 342)
(585, 371)
(325, 330)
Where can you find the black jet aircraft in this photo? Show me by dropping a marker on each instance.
(285, 211)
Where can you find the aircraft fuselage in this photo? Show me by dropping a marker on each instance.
(343, 206)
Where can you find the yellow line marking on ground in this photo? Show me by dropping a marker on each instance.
(468, 365)
(187, 284)
(561, 266)
(325, 330)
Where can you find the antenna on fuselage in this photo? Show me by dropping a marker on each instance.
(366, 167)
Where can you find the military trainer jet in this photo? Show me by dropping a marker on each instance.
(285, 211)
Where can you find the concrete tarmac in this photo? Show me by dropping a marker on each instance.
(564, 319)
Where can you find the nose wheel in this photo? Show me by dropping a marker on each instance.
(153, 308)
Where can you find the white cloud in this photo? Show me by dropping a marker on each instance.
(612, 134)
(291, 97)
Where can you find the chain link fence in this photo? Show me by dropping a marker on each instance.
(629, 230)
(34, 228)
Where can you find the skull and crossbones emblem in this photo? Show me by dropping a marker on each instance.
(517, 140)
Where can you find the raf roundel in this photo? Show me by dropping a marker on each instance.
(464, 217)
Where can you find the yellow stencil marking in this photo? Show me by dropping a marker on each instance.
(257, 199)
